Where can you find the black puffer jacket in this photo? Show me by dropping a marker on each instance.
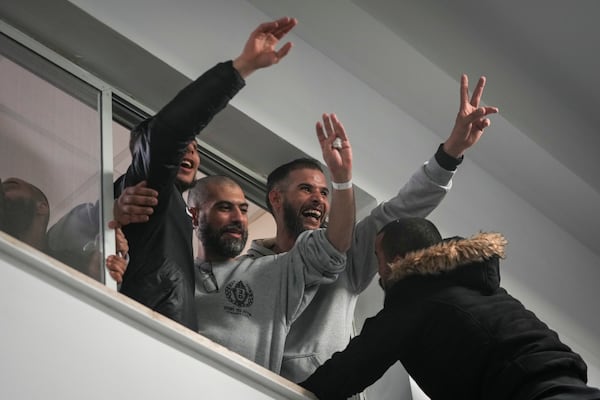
(160, 273)
(456, 331)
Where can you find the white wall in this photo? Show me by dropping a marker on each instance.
(65, 336)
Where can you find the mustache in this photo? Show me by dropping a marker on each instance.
(235, 227)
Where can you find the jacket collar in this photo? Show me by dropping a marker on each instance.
(447, 256)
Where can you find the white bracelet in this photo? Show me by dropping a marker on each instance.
(341, 186)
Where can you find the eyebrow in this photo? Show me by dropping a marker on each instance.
(228, 202)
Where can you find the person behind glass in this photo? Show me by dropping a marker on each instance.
(26, 213)
(165, 159)
(326, 325)
(247, 304)
(455, 330)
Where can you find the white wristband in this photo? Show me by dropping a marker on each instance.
(341, 186)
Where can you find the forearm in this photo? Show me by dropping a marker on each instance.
(342, 218)
(194, 106)
(162, 139)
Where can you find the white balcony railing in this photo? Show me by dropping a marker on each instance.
(66, 336)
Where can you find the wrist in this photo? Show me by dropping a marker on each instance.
(242, 67)
(342, 185)
(452, 151)
(446, 160)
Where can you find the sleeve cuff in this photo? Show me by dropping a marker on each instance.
(445, 160)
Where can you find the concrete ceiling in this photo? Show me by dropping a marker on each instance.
(541, 61)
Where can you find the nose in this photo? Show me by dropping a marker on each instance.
(317, 196)
(191, 148)
(237, 214)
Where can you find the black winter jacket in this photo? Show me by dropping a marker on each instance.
(456, 332)
(160, 273)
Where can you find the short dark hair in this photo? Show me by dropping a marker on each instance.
(281, 173)
(406, 235)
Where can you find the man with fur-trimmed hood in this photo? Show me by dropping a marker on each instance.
(455, 330)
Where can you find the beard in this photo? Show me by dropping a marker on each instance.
(18, 216)
(225, 247)
(292, 220)
(183, 186)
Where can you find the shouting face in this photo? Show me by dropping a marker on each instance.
(305, 200)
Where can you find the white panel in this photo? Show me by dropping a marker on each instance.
(64, 336)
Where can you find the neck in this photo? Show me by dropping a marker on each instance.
(35, 238)
(210, 256)
(283, 241)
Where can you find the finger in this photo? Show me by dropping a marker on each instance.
(142, 188)
(285, 49)
(134, 208)
(139, 201)
(320, 133)
(340, 131)
(136, 219)
(475, 116)
(116, 264)
(112, 224)
(464, 90)
(284, 25)
(478, 92)
(267, 27)
(122, 244)
(141, 193)
(116, 276)
(491, 110)
(135, 192)
(328, 128)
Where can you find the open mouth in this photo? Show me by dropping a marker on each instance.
(313, 214)
(186, 164)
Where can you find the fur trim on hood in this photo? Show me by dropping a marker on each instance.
(446, 256)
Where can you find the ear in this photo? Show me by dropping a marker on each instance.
(275, 198)
(42, 208)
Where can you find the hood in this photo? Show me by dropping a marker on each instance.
(448, 255)
(261, 247)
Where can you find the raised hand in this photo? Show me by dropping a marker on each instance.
(338, 159)
(135, 204)
(471, 119)
(260, 49)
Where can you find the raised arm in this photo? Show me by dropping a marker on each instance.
(425, 189)
(338, 157)
(159, 143)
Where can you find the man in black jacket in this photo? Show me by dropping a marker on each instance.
(455, 330)
(160, 272)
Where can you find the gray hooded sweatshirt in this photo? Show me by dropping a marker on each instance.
(248, 304)
(325, 326)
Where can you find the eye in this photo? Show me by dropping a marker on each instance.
(324, 193)
(224, 207)
(244, 209)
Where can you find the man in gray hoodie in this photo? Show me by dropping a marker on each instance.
(325, 326)
(247, 304)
